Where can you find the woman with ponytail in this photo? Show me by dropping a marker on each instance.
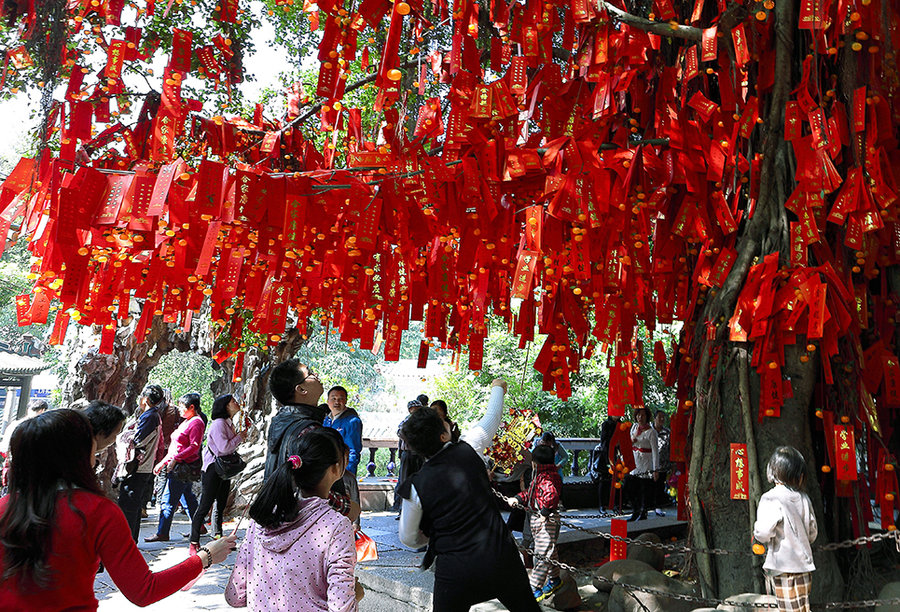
(298, 553)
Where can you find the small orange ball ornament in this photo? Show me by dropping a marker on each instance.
(394, 74)
(826, 469)
(759, 549)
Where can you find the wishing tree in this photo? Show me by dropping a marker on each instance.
(575, 168)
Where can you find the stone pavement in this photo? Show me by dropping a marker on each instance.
(395, 576)
(393, 583)
(206, 594)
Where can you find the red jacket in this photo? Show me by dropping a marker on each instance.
(77, 547)
(543, 493)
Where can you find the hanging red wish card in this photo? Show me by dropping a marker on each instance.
(740, 475)
(845, 453)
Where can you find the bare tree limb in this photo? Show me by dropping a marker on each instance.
(660, 28)
(754, 485)
(729, 18)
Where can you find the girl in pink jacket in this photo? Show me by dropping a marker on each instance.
(299, 553)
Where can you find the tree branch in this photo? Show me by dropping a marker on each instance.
(660, 28)
(730, 17)
(755, 486)
(315, 108)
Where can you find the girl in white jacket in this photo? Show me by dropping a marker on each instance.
(785, 521)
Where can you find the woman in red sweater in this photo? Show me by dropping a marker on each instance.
(56, 526)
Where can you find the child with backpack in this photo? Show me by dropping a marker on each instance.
(786, 522)
(299, 553)
(542, 497)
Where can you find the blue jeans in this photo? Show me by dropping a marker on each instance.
(175, 490)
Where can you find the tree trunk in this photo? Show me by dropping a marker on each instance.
(727, 521)
(118, 377)
(253, 391)
(724, 415)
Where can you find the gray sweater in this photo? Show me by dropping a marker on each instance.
(786, 523)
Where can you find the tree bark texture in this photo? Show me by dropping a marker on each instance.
(724, 412)
(257, 402)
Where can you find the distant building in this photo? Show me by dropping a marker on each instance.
(17, 378)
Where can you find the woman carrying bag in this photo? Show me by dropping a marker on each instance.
(56, 526)
(220, 463)
(182, 464)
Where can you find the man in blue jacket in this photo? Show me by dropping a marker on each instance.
(347, 422)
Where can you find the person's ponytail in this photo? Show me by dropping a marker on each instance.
(277, 500)
(309, 456)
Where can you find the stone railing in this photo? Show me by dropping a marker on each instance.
(579, 450)
(372, 445)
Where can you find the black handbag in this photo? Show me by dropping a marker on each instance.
(188, 472)
(229, 466)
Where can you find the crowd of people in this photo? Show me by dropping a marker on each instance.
(58, 528)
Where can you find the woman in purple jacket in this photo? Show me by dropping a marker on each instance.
(221, 439)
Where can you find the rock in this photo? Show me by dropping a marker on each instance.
(654, 557)
(566, 597)
(598, 602)
(889, 591)
(746, 598)
(632, 600)
(614, 570)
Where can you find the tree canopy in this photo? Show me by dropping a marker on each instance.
(577, 169)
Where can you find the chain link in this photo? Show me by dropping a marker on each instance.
(888, 535)
(632, 588)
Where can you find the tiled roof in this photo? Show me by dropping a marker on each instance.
(10, 363)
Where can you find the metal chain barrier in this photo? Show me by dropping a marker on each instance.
(839, 605)
(632, 588)
(888, 535)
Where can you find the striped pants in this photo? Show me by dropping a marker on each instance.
(791, 591)
(545, 531)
